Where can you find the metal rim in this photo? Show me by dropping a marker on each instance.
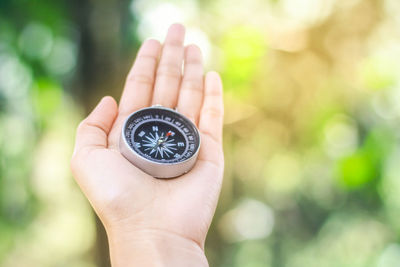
(154, 162)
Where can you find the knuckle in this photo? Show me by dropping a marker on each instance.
(214, 112)
(169, 71)
(88, 125)
(192, 85)
(140, 78)
(172, 48)
(214, 93)
(194, 61)
(148, 59)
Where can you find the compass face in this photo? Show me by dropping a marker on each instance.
(161, 135)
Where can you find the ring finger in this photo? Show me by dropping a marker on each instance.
(191, 92)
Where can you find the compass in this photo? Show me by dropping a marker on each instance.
(160, 141)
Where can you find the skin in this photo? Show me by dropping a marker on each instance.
(155, 222)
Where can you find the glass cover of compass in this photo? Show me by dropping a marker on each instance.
(160, 141)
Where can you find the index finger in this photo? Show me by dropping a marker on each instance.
(140, 81)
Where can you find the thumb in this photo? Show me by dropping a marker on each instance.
(93, 131)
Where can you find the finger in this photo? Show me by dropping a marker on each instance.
(140, 81)
(212, 111)
(92, 132)
(191, 92)
(139, 86)
(210, 163)
(169, 71)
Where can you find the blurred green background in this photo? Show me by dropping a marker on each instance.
(312, 98)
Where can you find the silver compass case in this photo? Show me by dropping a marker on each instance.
(152, 167)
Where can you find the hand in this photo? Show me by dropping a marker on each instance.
(145, 216)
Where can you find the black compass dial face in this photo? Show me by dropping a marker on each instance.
(161, 135)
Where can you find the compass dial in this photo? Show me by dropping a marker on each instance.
(160, 135)
(160, 141)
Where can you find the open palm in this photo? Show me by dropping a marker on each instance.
(123, 195)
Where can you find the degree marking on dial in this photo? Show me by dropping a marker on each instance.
(158, 142)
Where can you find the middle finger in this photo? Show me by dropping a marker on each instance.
(169, 70)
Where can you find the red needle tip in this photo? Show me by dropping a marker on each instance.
(168, 134)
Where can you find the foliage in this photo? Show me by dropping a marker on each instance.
(311, 128)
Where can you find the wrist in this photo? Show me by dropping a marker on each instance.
(153, 247)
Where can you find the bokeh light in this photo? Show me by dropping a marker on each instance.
(311, 129)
